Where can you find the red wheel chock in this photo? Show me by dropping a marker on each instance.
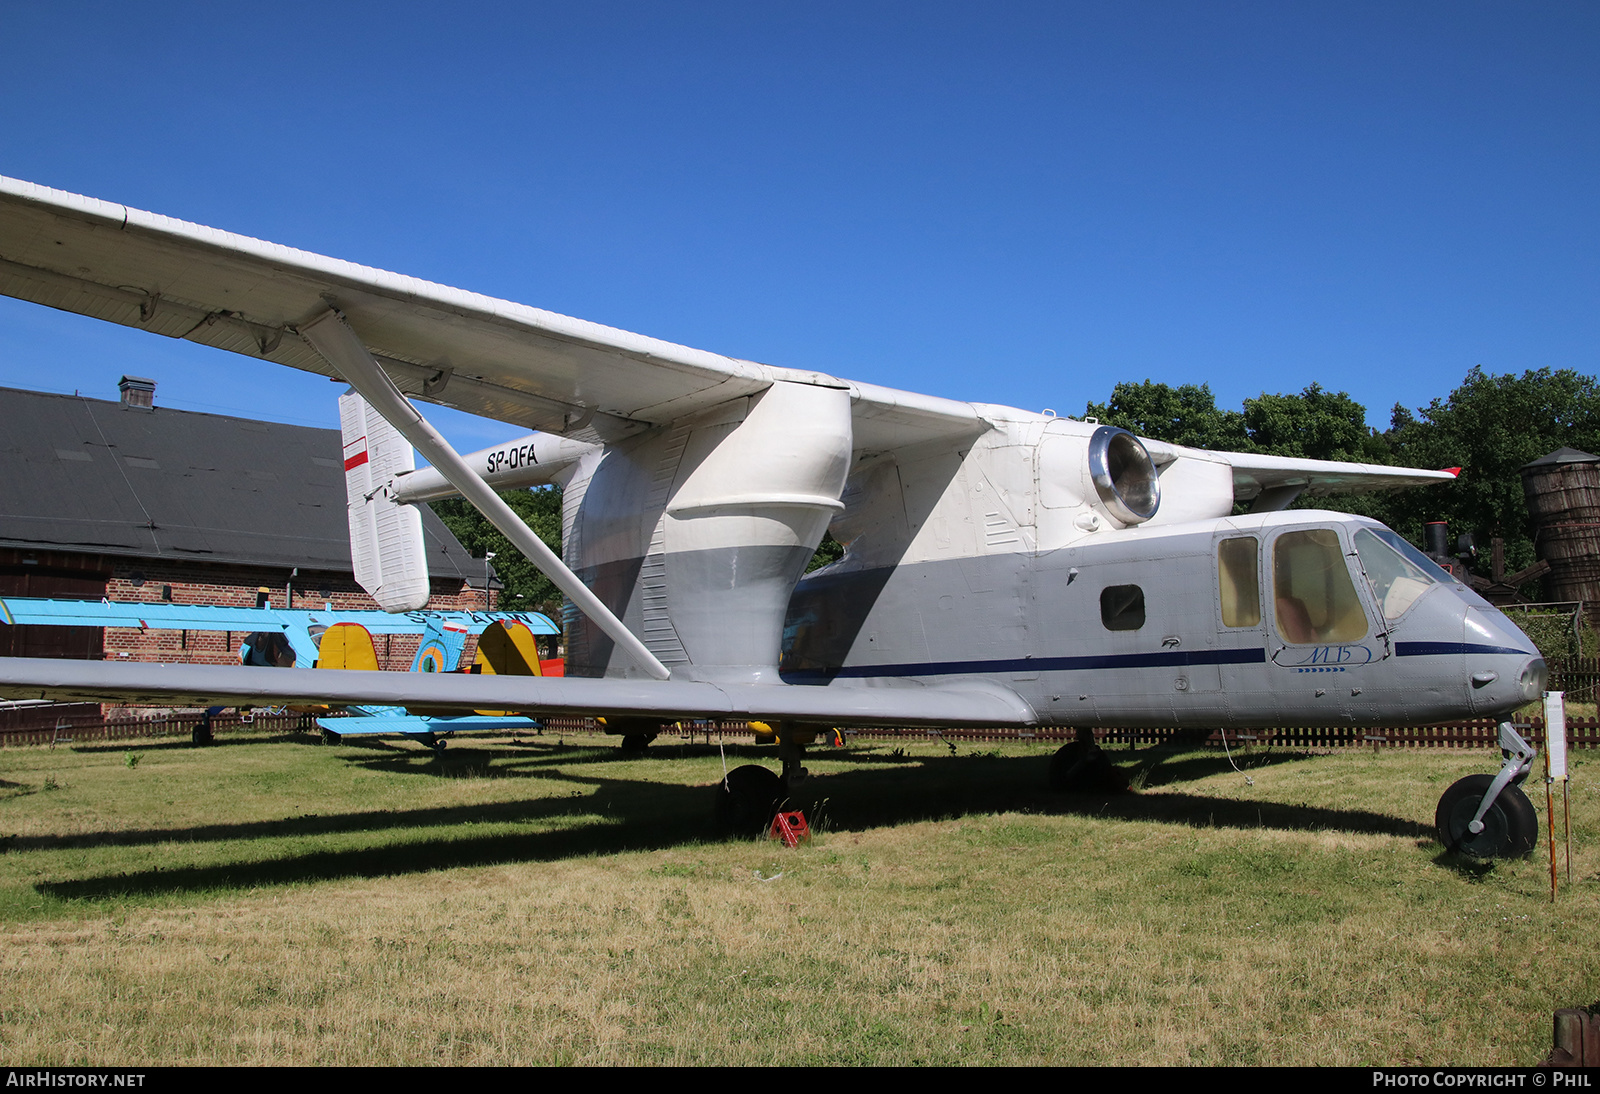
(791, 828)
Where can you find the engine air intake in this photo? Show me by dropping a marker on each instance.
(1124, 475)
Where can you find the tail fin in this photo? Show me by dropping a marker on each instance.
(507, 648)
(385, 538)
(347, 646)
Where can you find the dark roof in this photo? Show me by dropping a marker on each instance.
(82, 474)
(1561, 456)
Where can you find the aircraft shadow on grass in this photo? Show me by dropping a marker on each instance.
(611, 815)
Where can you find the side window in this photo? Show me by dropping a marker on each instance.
(1239, 582)
(1122, 607)
(1315, 600)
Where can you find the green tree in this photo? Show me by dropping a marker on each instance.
(1185, 415)
(1313, 425)
(525, 586)
(1490, 427)
(828, 551)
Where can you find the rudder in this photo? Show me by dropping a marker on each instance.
(386, 544)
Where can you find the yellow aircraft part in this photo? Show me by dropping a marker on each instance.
(342, 646)
(347, 646)
(506, 648)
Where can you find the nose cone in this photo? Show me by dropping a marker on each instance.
(1532, 679)
(1505, 667)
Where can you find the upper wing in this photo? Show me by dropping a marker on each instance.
(839, 703)
(490, 357)
(1254, 474)
(23, 611)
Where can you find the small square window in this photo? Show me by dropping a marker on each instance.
(1122, 607)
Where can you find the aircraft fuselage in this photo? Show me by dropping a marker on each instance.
(1264, 620)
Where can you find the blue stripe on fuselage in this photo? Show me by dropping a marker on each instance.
(1041, 664)
(1247, 656)
(1441, 649)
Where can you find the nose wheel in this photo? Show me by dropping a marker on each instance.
(1510, 827)
(1488, 816)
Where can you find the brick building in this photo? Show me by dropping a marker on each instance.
(137, 503)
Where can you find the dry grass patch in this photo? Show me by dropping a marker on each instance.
(529, 902)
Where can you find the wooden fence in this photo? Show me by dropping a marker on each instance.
(87, 728)
(1476, 733)
(1480, 733)
(1579, 677)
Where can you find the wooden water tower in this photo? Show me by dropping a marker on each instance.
(1563, 492)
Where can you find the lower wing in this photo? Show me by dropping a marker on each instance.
(904, 703)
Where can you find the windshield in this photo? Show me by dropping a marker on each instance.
(1398, 571)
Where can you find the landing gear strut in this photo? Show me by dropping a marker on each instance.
(1483, 816)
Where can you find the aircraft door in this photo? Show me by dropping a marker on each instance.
(1238, 584)
(1240, 620)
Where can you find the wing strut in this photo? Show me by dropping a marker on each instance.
(342, 348)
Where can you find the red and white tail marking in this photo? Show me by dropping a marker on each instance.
(385, 538)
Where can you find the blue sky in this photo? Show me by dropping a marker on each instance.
(1002, 202)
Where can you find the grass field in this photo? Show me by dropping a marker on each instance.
(546, 901)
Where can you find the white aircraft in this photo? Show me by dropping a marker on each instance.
(1002, 567)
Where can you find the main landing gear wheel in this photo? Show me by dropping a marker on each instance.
(748, 799)
(634, 744)
(1510, 827)
(1083, 768)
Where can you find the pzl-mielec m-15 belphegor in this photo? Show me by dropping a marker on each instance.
(1002, 567)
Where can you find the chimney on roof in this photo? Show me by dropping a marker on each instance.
(137, 391)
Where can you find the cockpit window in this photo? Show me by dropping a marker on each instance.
(1315, 600)
(1398, 571)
